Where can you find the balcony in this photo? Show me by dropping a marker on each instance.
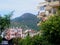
(43, 4)
(42, 14)
(48, 7)
(54, 4)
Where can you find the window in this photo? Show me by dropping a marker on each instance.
(54, 0)
(49, 0)
(12, 30)
(54, 11)
(12, 34)
(42, 8)
(49, 11)
(19, 30)
(18, 35)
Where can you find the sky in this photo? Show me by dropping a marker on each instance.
(19, 6)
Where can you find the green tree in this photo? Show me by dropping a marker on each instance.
(36, 40)
(5, 21)
(39, 40)
(27, 40)
(21, 42)
(51, 29)
(0, 39)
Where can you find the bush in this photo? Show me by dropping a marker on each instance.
(0, 39)
(51, 29)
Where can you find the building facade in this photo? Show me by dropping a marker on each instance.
(42, 14)
(13, 33)
(30, 32)
(50, 7)
(18, 33)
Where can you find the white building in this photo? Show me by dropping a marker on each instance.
(13, 33)
(18, 33)
(31, 33)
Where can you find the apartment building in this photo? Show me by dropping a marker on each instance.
(52, 6)
(17, 33)
(13, 33)
(41, 9)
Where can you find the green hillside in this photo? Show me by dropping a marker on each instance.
(26, 21)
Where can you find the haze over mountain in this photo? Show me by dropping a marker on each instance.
(26, 21)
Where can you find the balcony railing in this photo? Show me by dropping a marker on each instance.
(43, 4)
(54, 4)
(48, 7)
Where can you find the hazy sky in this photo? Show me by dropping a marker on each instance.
(20, 6)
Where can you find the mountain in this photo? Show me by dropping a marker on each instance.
(27, 20)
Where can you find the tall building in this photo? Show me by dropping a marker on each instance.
(42, 13)
(41, 9)
(51, 7)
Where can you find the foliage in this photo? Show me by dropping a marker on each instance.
(16, 40)
(39, 40)
(5, 21)
(51, 29)
(0, 39)
(58, 10)
(36, 40)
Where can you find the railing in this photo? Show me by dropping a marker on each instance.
(48, 7)
(54, 4)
